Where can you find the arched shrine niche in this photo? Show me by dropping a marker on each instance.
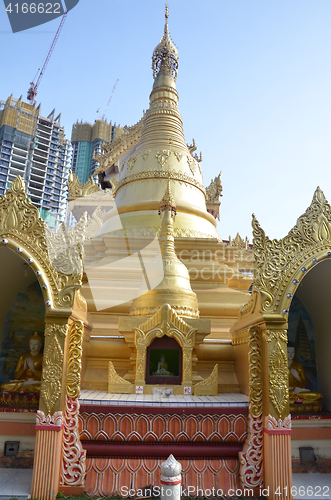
(164, 362)
(22, 313)
(314, 293)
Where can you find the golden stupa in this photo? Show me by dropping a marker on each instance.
(161, 153)
(203, 279)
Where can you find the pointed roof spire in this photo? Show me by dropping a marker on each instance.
(165, 54)
(168, 202)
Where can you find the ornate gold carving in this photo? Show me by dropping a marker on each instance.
(179, 156)
(131, 162)
(192, 148)
(155, 231)
(77, 189)
(278, 379)
(241, 337)
(116, 149)
(18, 401)
(187, 366)
(114, 183)
(74, 457)
(162, 156)
(164, 322)
(145, 153)
(52, 373)
(94, 223)
(165, 53)
(239, 242)
(22, 226)
(249, 307)
(65, 248)
(255, 371)
(55, 329)
(209, 386)
(76, 334)
(278, 261)
(168, 201)
(117, 384)
(272, 423)
(276, 335)
(160, 174)
(191, 164)
(214, 190)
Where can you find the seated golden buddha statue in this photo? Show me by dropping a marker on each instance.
(162, 367)
(297, 385)
(28, 369)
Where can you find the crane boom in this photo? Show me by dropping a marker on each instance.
(32, 92)
(110, 98)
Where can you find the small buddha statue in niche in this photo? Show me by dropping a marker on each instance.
(162, 367)
(297, 381)
(28, 369)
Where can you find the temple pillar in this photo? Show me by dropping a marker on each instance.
(49, 428)
(277, 420)
(59, 463)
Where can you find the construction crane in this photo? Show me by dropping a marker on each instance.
(109, 100)
(32, 92)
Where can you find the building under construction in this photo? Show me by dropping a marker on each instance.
(86, 140)
(35, 148)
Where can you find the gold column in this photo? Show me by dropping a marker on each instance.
(49, 428)
(277, 420)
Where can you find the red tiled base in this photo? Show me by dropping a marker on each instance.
(115, 476)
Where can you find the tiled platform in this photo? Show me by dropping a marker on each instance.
(15, 483)
(103, 398)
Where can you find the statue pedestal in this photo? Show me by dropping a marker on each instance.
(28, 400)
(314, 407)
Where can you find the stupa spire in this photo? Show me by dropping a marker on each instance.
(165, 55)
(174, 287)
(167, 240)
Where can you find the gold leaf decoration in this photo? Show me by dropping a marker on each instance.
(278, 261)
(77, 189)
(146, 153)
(162, 156)
(22, 226)
(52, 373)
(278, 379)
(131, 162)
(255, 371)
(76, 334)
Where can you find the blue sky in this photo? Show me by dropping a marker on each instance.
(254, 83)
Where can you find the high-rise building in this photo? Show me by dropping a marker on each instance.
(86, 139)
(35, 148)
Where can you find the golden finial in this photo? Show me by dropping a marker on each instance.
(168, 202)
(165, 53)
